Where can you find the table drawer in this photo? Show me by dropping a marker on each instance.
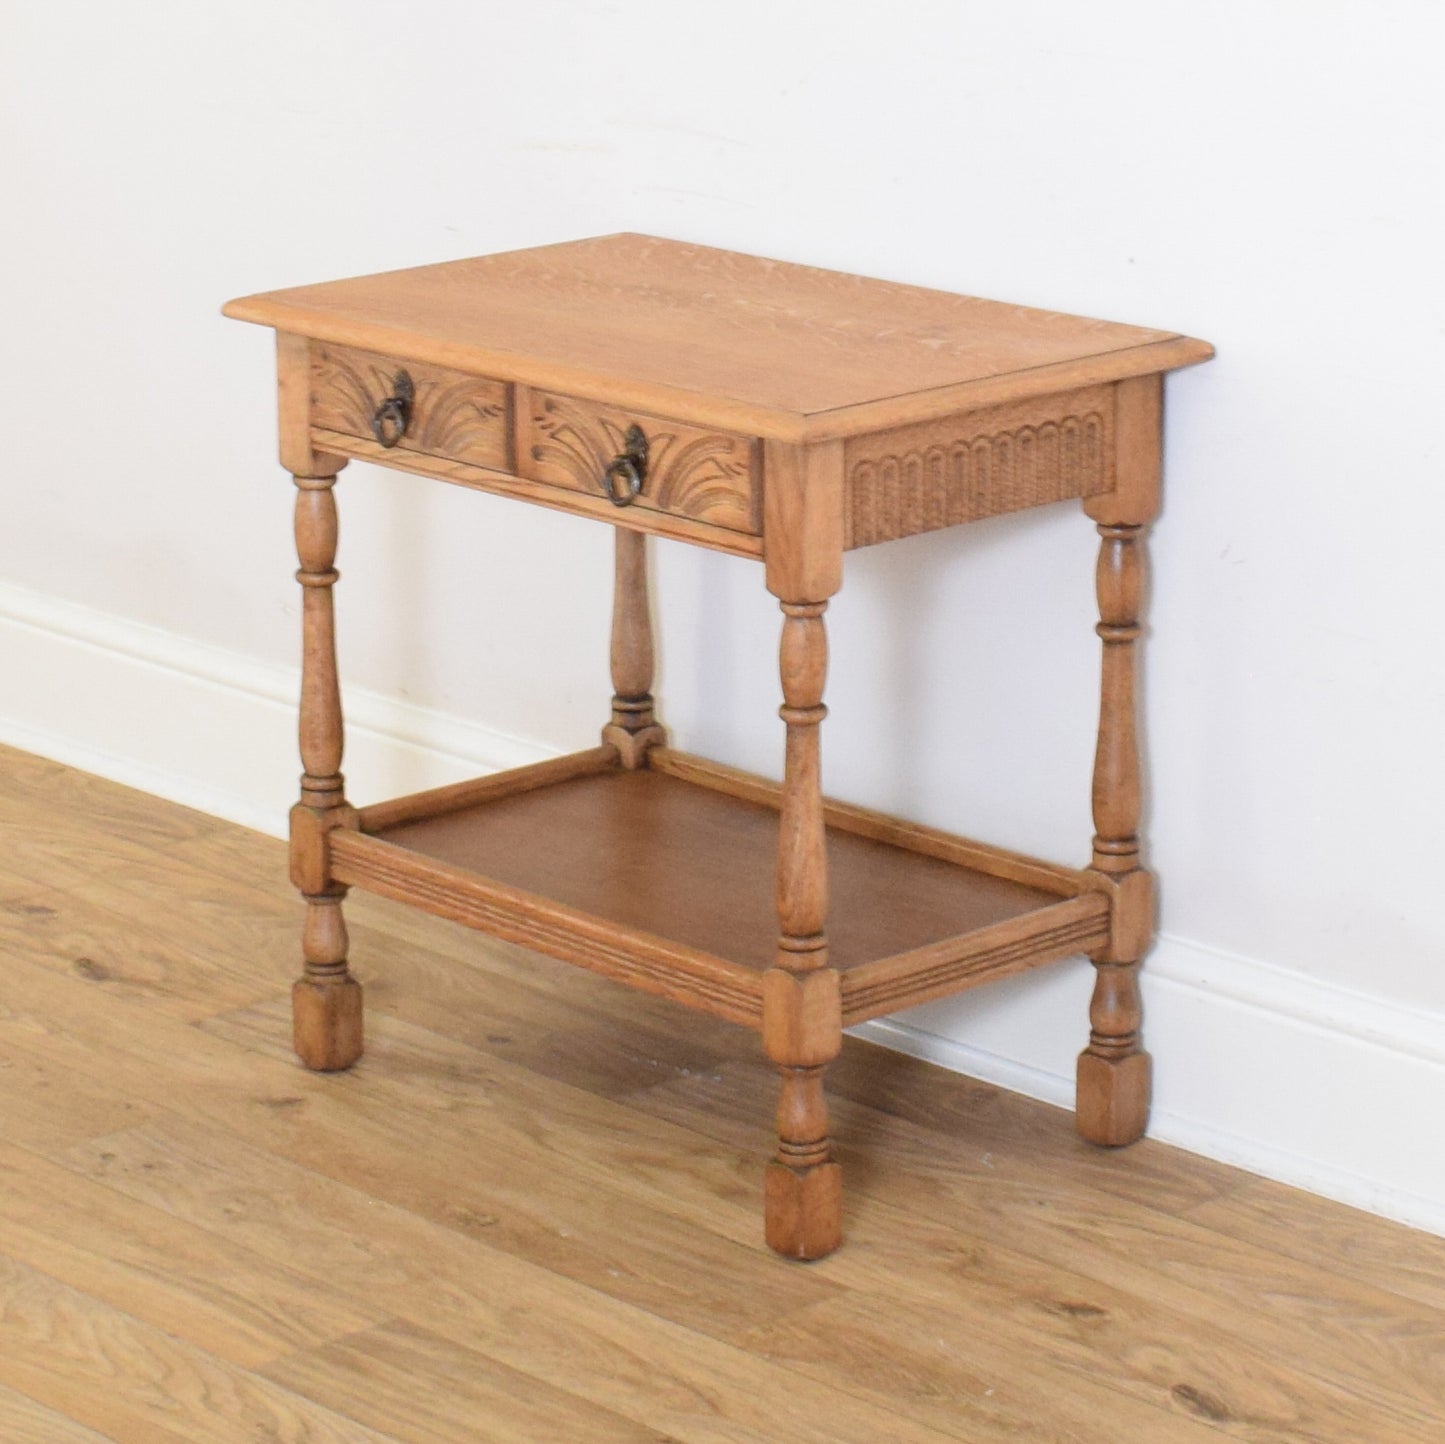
(706, 476)
(451, 415)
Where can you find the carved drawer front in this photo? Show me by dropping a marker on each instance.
(707, 476)
(450, 414)
(1004, 458)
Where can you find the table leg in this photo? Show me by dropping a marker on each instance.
(633, 728)
(326, 1000)
(802, 1010)
(1114, 1073)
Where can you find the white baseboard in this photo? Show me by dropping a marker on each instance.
(1256, 1065)
(206, 727)
(1313, 1085)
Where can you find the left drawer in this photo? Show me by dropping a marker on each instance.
(448, 413)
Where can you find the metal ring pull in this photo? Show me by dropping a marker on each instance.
(626, 472)
(391, 419)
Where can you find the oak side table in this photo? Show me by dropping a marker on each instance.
(777, 412)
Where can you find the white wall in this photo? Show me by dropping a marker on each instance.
(1263, 176)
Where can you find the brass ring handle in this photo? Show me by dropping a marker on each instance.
(623, 481)
(625, 473)
(391, 419)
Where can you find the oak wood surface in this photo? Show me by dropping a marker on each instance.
(710, 477)
(448, 1244)
(717, 338)
(464, 418)
(693, 864)
(658, 964)
(633, 728)
(327, 1012)
(457, 796)
(503, 483)
(876, 411)
(865, 822)
(935, 474)
(23, 1421)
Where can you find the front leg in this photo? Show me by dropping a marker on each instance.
(802, 1007)
(1115, 1074)
(326, 1000)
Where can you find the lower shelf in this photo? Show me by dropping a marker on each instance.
(663, 878)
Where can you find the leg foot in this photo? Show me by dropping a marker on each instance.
(1112, 1103)
(804, 1209)
(326, 1020)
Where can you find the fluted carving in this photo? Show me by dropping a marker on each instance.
(940, 473)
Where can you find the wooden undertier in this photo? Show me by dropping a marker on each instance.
(663, 878)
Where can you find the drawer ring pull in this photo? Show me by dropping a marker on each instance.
(391, 419)
(628, 470)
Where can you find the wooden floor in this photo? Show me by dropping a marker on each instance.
(532, 1212)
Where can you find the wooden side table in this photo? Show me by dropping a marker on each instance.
(777, 412)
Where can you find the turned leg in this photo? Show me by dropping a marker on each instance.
(1114, 1071)
(326, 1000)
(802, 1012)
(633, 728)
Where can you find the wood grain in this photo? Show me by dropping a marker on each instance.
(597, 844)
(879, 826)
(633, 727)
(512, 1240)
(211, 1293)
(456, 416)
(325, 1000)
(570, 1338)
(709, 477)
(719, 339)
(427, 1389)
(797, 412)
(132, 1381)
(503, 483)
(1005, 458)
(1366, 1364)
(23, 1421)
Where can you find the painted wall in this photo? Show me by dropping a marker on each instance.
(1261, 176)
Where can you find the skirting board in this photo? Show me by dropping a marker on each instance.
(1257, 1066)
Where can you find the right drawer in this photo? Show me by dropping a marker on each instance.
(707, 476)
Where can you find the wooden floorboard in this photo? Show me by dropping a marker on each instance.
(532, 1212)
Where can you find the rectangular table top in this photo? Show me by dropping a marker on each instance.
(768, 347)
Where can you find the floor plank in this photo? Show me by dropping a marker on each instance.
(149, 1264)
(1330, 1236)
(1385, 1351)
(138, 1384)
(426, 1389)
(532, 1211)
(23, 1421)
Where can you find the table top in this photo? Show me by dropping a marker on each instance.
(728, 339)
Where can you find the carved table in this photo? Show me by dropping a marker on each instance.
(776, 412)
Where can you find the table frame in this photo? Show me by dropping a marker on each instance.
(800, 1004)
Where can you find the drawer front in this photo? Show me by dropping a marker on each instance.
(706, 476)
(453, 415)
(939, 473)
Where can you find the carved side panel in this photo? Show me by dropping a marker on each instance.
(940, 473)
(709, 476)
(460, 417)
